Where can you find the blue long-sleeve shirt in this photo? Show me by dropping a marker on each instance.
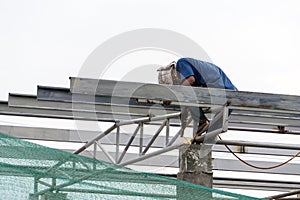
(206, 74)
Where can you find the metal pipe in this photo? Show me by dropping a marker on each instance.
(133, 121)
(179, 133)
(263, 110)
(146, 156)
(154, 137)
(279, 196)
(141, 137)
(117, 143)
(95, 139)
(210, 137)
(105, 152)
(174, 138)
(167, 116)
(95, 150)
(167, 131)
(186, 125)
(129, 143)
(148, 119)
(35, 186)
(259, 144)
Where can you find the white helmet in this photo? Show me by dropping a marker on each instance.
(168, 75)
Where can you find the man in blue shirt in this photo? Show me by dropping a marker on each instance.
(204, 74)
(199, 73)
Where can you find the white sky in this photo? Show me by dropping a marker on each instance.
(44, 42)
(255, 42)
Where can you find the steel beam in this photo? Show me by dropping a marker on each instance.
(268, 120)
(279, 196)
(47, 93)
(59, 114)
(236, 99)
(255, 184)
(65, 135)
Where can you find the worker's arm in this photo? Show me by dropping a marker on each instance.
(189, 81)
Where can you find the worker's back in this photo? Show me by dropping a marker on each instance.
(206, 74)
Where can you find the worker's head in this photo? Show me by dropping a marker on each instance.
(168, 75)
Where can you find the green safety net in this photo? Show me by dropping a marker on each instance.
(31, 171)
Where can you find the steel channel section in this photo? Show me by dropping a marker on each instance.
(56, 114)
(48, 94)
(261, 101)
(78, 109)
(237, 118)
(65, 135)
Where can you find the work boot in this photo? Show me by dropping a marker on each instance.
(202, 127)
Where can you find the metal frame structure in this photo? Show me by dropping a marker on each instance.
(139, 104)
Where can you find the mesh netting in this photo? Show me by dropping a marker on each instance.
(31, 171)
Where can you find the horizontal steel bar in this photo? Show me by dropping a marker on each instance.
(254, 118)
(59, 114)
(265, 101)
(279, 196)
(260, 144)
(255, 184)
(64, 95)
(148, 119)
(150, 155)
(21, 101)
(155, 159)
(65, 135)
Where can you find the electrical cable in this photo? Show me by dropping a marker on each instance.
(258, 167)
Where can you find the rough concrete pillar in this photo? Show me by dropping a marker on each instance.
(195, 166)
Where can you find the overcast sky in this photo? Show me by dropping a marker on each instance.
(255, 42)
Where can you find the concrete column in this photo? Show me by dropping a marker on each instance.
(195, 164)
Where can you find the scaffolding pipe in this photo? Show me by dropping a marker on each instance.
(279, 196)
(154, 137)
(148, 119)
(117, 143)
(129, 143)
(141, 137)
(167, 131)
(105, 152)
(210, 137)
(91, 142)
(179, 133)
(150, 155)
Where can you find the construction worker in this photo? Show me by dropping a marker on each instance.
(196, 73)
